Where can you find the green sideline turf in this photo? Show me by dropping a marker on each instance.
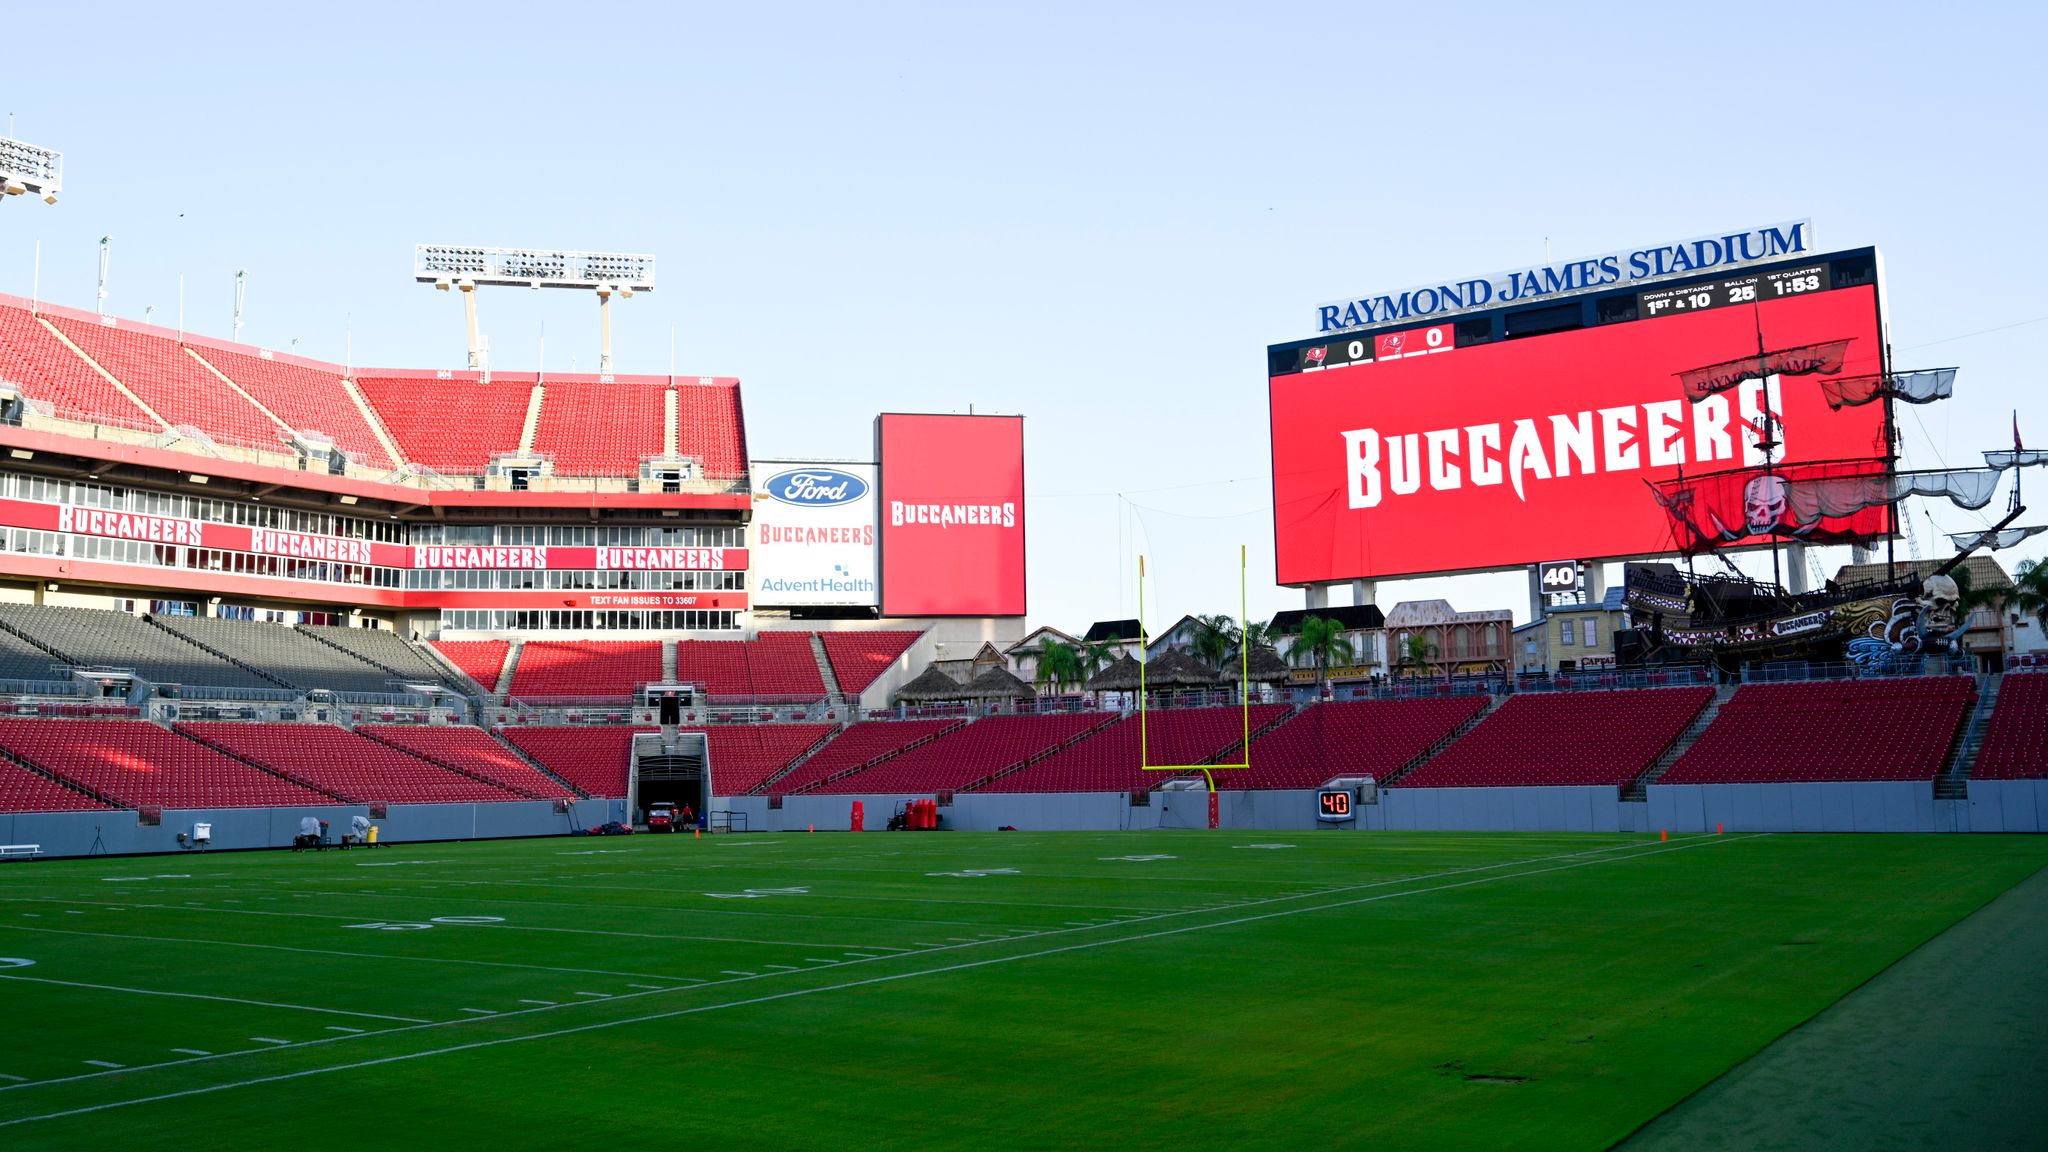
(1165, 990)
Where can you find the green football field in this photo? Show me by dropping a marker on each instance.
(1155, 990)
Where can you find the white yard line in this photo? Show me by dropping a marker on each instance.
(104, 1064)
(205, 996)
(795, 993)
(1602, 855)
(330, 952)
(511, 927)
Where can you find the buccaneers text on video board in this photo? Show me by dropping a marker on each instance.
(952, 515)
(1436, 458)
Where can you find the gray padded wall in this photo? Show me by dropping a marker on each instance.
(71, 833)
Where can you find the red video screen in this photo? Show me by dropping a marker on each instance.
(1435, 458)
(951, 514)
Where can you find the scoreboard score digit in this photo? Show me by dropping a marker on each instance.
(1333, 804)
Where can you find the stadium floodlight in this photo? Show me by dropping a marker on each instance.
(448, 266)
(25, 168)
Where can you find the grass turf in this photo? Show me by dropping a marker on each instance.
(986, 990)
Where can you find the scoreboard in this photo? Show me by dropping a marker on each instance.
(1736, 290)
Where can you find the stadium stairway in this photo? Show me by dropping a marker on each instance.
(1492, 704)
(258, 765)
(26, 787)
(938, 729)
(460, 770)
(834, 698)
(503, 688)
(1109, 721)
(668, 661)
(452, 674)
(218, 654)
(1638, 789)
(531, 428)
(109, 377)
(370, 416)
(1235, 753)
(1953, 783)
(793, 765)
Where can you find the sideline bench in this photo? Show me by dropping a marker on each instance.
(20, 851)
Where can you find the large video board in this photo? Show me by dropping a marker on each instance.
(1459, 446)
(951, 514)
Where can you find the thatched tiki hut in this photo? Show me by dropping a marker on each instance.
(1120, 676)
(932, 686)
(998, 684)
(1174, 668)
(1266, 667)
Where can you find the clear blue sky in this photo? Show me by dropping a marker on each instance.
(1096, 216)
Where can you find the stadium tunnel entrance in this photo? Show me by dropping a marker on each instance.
(669, 769)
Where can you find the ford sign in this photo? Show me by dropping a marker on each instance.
(815, 487)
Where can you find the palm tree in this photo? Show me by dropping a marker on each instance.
(1257, 638)
(2030, 590)
(1059, 664)
(1215, 640)
(1097, 655)
(1322, 643)
(1418, 649)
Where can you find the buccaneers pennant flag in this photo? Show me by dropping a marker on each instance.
(1805, 360)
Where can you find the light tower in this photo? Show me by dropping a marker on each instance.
(448, 267)
(25, 168)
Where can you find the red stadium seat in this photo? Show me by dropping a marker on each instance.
(1898, 729)
(1580, 738)
(2016, 741)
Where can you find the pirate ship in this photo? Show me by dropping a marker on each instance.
(1901, 622)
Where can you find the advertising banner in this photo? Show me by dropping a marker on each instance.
(813, 535)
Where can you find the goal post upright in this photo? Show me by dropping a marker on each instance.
(1244, 687)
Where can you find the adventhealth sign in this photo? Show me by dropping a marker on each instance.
(1701, 254)
(813, 534)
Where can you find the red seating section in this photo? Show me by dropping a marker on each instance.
(1109, 762)
(859, 658)
(308, 398)
(973, 753)
(1565, 738)
(785, 664)
(48, 371)
(1373, 738)
(2016, 740)
(166, 377)
(135, 762)
(597, 760)
(1899, 729)
(599, 429)
(452, 422)
(24, 791)
(453, 425)
(476, 752)
(743, 756)
(774, 664)
(480, 660)
(858, 744)
(353, 767)
(710, 427)
(585, 669)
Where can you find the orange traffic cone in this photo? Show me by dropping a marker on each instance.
(1663, 833)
